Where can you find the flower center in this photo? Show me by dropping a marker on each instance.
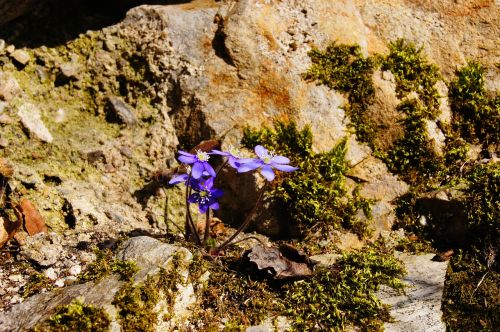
(202, 156)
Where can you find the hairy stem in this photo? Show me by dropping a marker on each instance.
(245, 224)
(190, 227)
(207, 227)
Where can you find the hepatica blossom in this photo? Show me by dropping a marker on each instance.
(205, 195)
(233, 156)
(265, 162)
(198, 162)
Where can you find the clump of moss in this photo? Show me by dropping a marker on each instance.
(344, 294)
(315, 196)
(413, 73)
(412, 156)
(471, 289)
(344, 68)
(36, 282)
(105, 264)
(136, 303)
(476, 115)
(77, 316)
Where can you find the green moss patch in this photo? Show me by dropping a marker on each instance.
(476, 113)
(105, 264)
(77, 316)
(137, 303)
(344, 68)
(314, 197)
(344, 294)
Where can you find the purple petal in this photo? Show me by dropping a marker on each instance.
(186, 159)
(267, 172)
(285, 168)
(193, 198)
(249, 166)
(186, 153)
(216, 193)
(261, 151)
(203, 208)
(209, 169)
(214, 206)
(280, 160)
(233, 162)
(178, 179)
(197, 170)
(247, 160)
(208, 183)
(220, 153)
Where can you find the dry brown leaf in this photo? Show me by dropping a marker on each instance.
(216, 227)
(443, 256)
(33, 220)
(275, 262)
(8, 228)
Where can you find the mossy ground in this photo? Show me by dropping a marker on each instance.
(334, 298)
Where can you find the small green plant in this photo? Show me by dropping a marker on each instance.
(413, 73)
(476, 115)
(344, 68)
(344, 294)
(77, 316)
(315, 197)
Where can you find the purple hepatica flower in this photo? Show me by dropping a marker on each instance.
(266, 162)
(233, 156)
(205, 195)
(199, 162)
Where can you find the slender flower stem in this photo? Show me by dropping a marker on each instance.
(221, 167)
(189, 220)
(207, 227)
(245, 224)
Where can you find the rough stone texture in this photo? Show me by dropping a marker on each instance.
(21, 56)
(101, 293)
(9, 87)
(31, 118)
(122, 111)
(45, 249)
(420, 308)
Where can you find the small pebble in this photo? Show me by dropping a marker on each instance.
(59, 283)
(16, 277)
(75, 270)
(16, 299)
(21, 56)
(70, 280)
(50, 273)
(2, 45)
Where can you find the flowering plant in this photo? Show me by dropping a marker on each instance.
(201, 176)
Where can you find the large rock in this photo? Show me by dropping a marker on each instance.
(419, 309)
(150, 255)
